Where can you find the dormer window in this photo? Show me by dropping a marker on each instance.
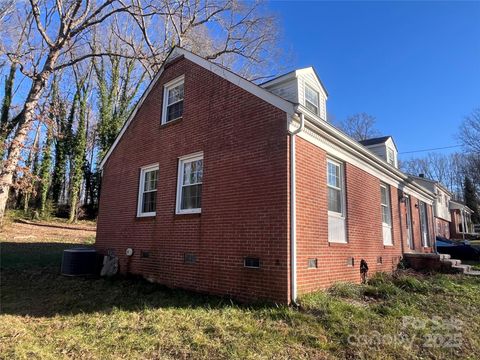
(390, 156)
(311, 99)
(173, 100)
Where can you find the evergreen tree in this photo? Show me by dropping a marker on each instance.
(77, 163)
(45, 170)
(6, 125)
(471, 198)
(61, 150)
(116, 90)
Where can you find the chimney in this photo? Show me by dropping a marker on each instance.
(421, 175)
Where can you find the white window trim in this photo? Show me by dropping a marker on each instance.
(391, 156)
(141, 188)
(389, 204)
(333, 214)
(342, 189)
(171, 84)
(181, 161)
(305, 99)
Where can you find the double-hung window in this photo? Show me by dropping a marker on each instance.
(386, 214)
(147, 192)
(189, 190)
(311, 99)
(336, 202)
(173, 95)
(390, 156)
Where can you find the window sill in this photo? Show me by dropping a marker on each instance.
(337, 242)
(145, 217)
(171, 122)
(336, 215)
(188, 215)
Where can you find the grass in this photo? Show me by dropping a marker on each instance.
(47, 316)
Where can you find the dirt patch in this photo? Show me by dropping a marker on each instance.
(53, 231)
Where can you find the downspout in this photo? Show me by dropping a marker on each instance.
(293, 214)
(400, 200)
(434, 227)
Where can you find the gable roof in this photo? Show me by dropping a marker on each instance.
(375, 141)
(292, 74)
(431, 181)
(226, 74)
(458, 205)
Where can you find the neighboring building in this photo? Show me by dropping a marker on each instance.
(461, 224)
(441, 209)
(222, 186)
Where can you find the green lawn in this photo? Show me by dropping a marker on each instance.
(47, 316)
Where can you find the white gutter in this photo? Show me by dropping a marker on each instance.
(359, 151)
(293, 213)
(434, 226)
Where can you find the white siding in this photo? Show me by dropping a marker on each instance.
(381, 150)
(309, 78)
(292, 88)
(287, 90)
(441, 210)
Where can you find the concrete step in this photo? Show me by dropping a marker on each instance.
(452, 262)
(473, 273)
(463, 268)
(444, 256)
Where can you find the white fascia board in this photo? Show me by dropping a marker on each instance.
(339, 145)
(311, 70)
(235, 79)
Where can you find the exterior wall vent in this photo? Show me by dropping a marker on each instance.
(189, 258)
(145, 254)
(312, 263)
(379, 260)
(250, 262)
(350, 261)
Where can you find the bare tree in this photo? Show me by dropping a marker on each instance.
(448, 169)
(359, 126)
(233, 33)
(470, 131)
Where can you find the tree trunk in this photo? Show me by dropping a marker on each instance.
(25, 119)
(7, 101)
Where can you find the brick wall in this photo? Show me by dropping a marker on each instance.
(245, 201)
(442, 228)
(456, 224)
(363, 222)
(245, 191)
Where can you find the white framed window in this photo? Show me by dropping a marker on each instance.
(173, 96)
(336, 202)
(147, 191)
(189, 188)
(312, 99)
(386, 214)
(390, 156)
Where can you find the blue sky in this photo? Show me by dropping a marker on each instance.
(415, 66)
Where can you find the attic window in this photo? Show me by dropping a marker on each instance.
(390, 156)
(173, 100)
(311, 99)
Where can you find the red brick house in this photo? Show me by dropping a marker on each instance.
(222, 186)
(461, 224)
(441, 204)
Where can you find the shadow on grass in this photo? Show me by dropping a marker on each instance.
(50, 225)
(31, 285)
